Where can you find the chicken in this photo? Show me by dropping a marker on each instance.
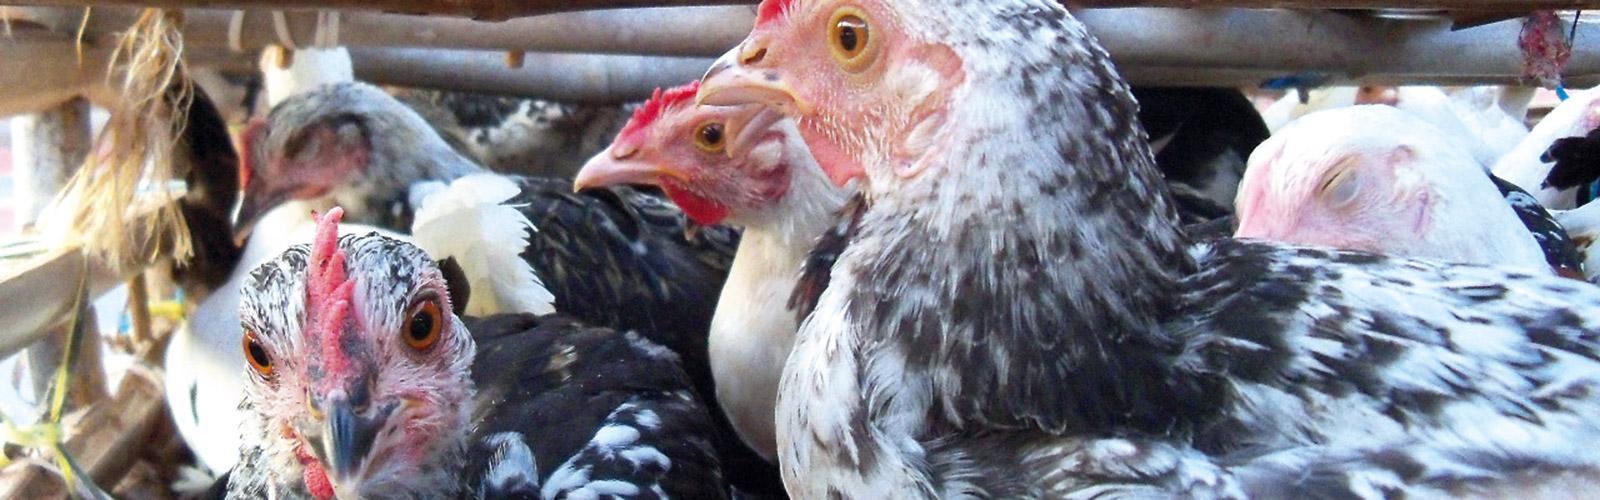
(1529, 167)
(1486, 130)
(746, 166)
(1201, 138)
(518, 135)
(1018, 314)
(618, 257)
(1583, 224)
(365, 384)
(1377, 179)
(203, 382)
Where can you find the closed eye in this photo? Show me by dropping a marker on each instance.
(1340, 188)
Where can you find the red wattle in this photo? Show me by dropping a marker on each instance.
(701, 210)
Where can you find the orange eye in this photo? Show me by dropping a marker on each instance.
(257, 355)
(709, 137)
(422, 330)
(850, 38)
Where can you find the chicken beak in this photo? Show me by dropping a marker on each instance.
(733, 80)
(256, 202)
(746, 131)
(620, 166)
(345, 440)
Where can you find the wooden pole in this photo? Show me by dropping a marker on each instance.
(47, 149)
(493, 10)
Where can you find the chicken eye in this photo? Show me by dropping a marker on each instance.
(850, 37)
(257, 355)
(422, 330)
(1340, 188)
(708, 137)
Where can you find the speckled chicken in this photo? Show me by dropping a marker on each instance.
(746, 166)
(364, 383)
(1019, 315)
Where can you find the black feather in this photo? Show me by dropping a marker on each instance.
(456, 284)
(817, 270)
(210, 168)
(1577, 163)
(556, 382)
(1559, 250)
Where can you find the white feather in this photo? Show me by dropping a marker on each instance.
(468, 221)
(1574, 117)
(1583, 225)
(308, 69)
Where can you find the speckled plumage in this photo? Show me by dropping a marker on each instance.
(1559, 250)
(620, 257)
(518, 135)
(552, 408)
(1021, 317)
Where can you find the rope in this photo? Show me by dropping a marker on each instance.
(1572, 38)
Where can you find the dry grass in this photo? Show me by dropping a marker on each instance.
(132, 161)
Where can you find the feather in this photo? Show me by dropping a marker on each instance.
(1583, 225)
(470, 222)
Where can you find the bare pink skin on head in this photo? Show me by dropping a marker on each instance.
(360, 401)
(1377, 179)
(713, 162)
(1337, 200)
(901, 82)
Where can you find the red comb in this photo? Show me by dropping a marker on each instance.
(657, 106)
(328, 292)
(771, 9)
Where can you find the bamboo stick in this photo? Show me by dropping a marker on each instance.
(139, 310)
(105, 439)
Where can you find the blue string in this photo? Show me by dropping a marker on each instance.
(1572, 38)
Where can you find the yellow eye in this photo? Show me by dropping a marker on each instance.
(850, 38)
(256, 354)
(422, 330)
(709, 137)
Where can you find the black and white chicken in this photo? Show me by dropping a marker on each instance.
(745, 166)
(1020, 316)
(366, 384)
